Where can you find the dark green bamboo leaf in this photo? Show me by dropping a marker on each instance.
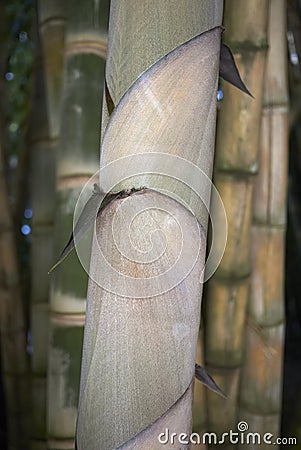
(229, 71)
(203, 376)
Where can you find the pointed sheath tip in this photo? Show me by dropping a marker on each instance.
(91, 210)
(64, 254)
(203, 376)
(53, 267)
(229, 70)
(81, 226)
(249, 93)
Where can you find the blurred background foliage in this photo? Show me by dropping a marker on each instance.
(17, 79)
(17, 69)
(19, 51)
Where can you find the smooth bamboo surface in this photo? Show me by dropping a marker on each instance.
(143, 370)
(229, 300)
(165, 25)
(236, 163)
(174, 81)
(237, 193)
(178, 418)
(262, 375)
(267, 302)
(270, 187)
(150, 374)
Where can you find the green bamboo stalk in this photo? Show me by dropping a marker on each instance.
(236, 164)
(133, 364)
(52, 18)
(77, 160)
(40, 251)
(44, 137)
(261, 388)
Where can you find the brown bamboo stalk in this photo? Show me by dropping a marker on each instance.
(261, 386)
(236, 164)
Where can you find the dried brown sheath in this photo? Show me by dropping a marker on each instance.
(91, 210)
(203, 376)
(229, 71)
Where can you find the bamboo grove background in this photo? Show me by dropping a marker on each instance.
(50, 122)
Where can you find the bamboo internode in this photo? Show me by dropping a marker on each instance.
(44, 134)
(161, 98)
(236, 164)
(261, 384)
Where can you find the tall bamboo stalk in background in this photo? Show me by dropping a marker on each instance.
(261, 386)
(77, 160)
(41, 158)
(14, 362)
(139, 347)
(235, 166)
(44, 137)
